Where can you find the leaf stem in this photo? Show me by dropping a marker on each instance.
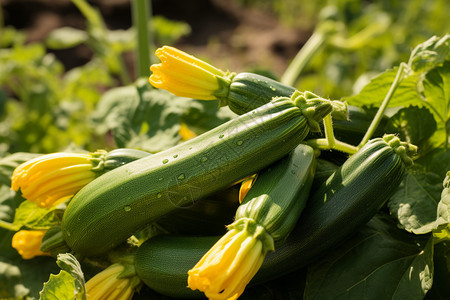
(141, 14)
(377, 119)
(8, 226)
(311, 47)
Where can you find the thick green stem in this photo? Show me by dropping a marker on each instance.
(329, 132)
(141, 13)
(305, 54)
(322, 144)
(8, 226)
(377, 119)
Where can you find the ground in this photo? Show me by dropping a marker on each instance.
(234, 37)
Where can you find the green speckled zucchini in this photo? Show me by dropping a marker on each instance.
(123, 201)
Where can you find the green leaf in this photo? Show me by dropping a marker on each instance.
(375, 91)
(59, 287)
(415, 202)
(149, 119)
(430, 54)
(380, 262)
(443, 207)
(65, 37)
(69, 263)
(413, 124)
(441, 276)
(440, 162)
(31, 215)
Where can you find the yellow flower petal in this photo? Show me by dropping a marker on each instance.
(185, 75)
(226, 269)
(28, 243)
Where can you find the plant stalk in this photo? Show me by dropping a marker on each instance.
(377, 119)
(141, 13)
(311, 47)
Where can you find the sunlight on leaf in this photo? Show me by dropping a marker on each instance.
(415, 202)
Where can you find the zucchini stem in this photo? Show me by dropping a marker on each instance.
(330, 142)
(377, 119)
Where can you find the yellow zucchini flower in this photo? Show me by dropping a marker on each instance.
(117, 282)
(187, 76)
(50, 179)
(226, 269)
(28, 243)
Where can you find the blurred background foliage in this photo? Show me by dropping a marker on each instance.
(58, 59)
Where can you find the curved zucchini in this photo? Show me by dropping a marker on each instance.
(348, 199)
(125, 200)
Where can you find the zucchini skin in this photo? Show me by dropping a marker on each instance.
(249, 91)
(347, 200)
(279, 195)
(125, 200)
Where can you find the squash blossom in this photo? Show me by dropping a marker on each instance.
(117, 282)
(226, 269)
(50, 179)
(28, 243)
(187, 76)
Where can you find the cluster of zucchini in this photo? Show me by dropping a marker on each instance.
(265, 139)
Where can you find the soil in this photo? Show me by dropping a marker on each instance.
(231, 36)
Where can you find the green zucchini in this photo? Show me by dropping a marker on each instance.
(249, 91)
(348, 199)
(274, 203)
(206, 216)
(123, 201)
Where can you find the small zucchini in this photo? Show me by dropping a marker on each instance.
(123, 201)
(348, 199)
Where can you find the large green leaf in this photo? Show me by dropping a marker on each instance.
(413, 124)
(142, 117)
(31, 215)
(430, 54)
(375, 91)
(380, 262)
(415, 202)
(59, 287)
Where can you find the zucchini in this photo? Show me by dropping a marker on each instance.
(265, 218)
(206, 216)
(248, 91)
(274, 204)
(123, 201)
(348, 199)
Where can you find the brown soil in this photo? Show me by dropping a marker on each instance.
(233, 37)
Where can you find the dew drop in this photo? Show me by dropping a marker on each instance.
(204, 159)
(175, 156)
(161, 179)
(127, 208)
(239, 143)
(68, 233)
(181, 176)
(221, 136)
(190, 148)
(165, 161)
(158, 196)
